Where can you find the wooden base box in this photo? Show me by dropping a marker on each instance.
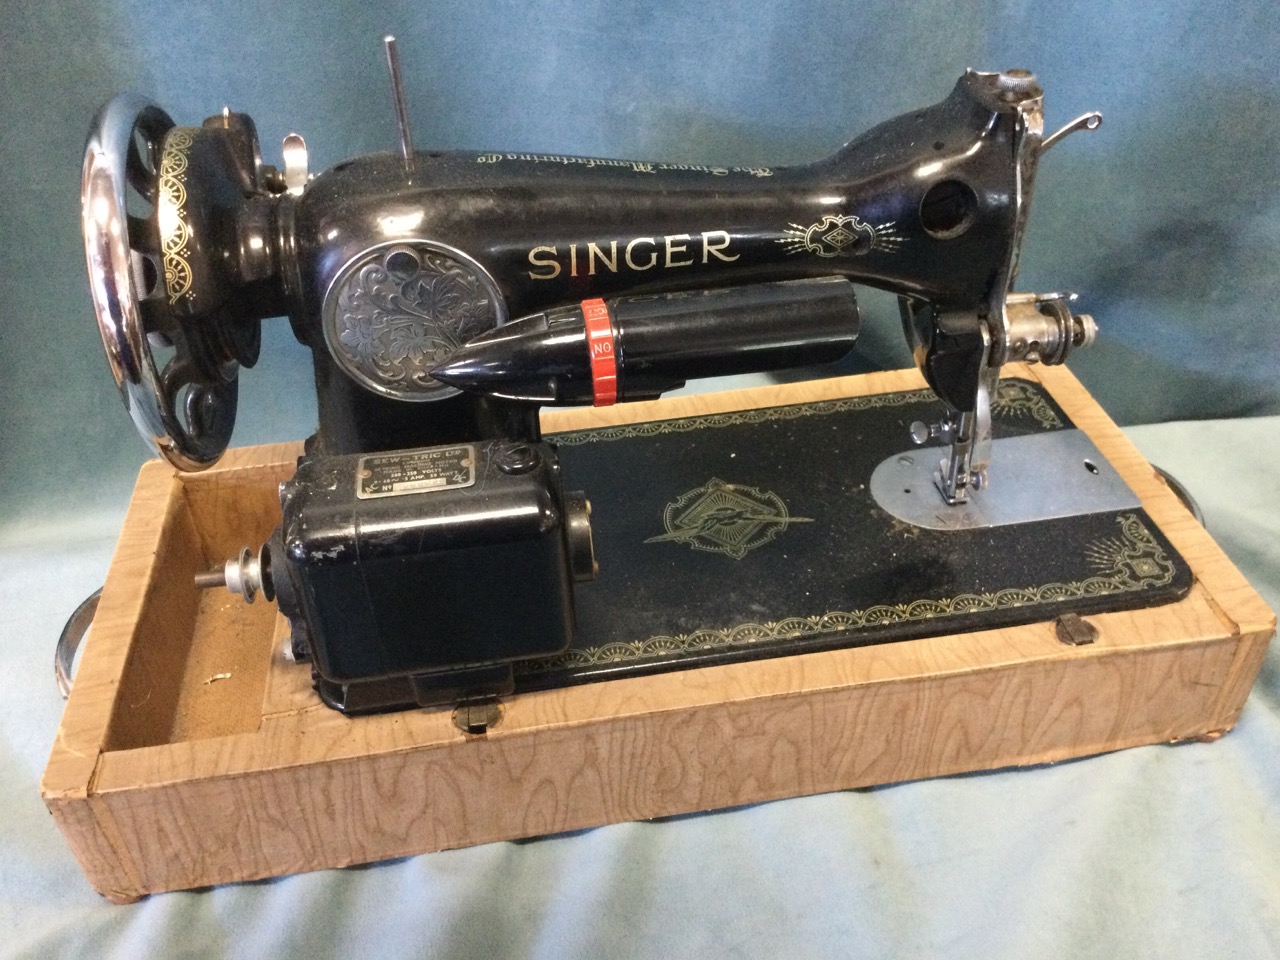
(193, 753)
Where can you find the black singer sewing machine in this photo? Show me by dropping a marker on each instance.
(435, 549)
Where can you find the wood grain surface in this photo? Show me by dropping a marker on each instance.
(163, 779)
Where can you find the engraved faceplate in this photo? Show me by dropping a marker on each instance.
(398, 310)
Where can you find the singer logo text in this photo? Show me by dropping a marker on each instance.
(630, 256)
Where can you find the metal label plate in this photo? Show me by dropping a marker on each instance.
(416, 471)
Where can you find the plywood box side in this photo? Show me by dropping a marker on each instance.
(103, 854)
(236, 504)
(313, 733)
(134, 568)
(1234, 693)
(493, 788)
(301, 787)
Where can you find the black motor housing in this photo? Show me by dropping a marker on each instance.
(436, 566)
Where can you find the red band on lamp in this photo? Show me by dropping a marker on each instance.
(604, 361)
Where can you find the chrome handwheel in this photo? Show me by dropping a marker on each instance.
(185, 411)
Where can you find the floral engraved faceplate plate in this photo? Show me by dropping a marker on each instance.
(397, 311)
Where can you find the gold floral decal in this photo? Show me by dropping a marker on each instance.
(175, 232)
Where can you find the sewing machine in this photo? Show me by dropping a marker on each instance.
(662, 605)
(435, 549)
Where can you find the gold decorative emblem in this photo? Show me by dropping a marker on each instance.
(725, 518)
(1019, 400)
(835, 236)
(1131, 559)
(175, 232)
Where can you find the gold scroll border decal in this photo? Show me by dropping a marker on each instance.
(175, 232)
(1016, 398)
(1130, 562)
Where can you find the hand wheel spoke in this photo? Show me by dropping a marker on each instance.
(205, 412)
(140, 171)
(144, 237)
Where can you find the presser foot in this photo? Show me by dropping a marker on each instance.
(959, 473)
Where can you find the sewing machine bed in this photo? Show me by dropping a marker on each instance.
(735, 536)
(192, 752)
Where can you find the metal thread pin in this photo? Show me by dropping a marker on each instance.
(397, 97)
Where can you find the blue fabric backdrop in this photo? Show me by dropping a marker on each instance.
(1167, 220)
